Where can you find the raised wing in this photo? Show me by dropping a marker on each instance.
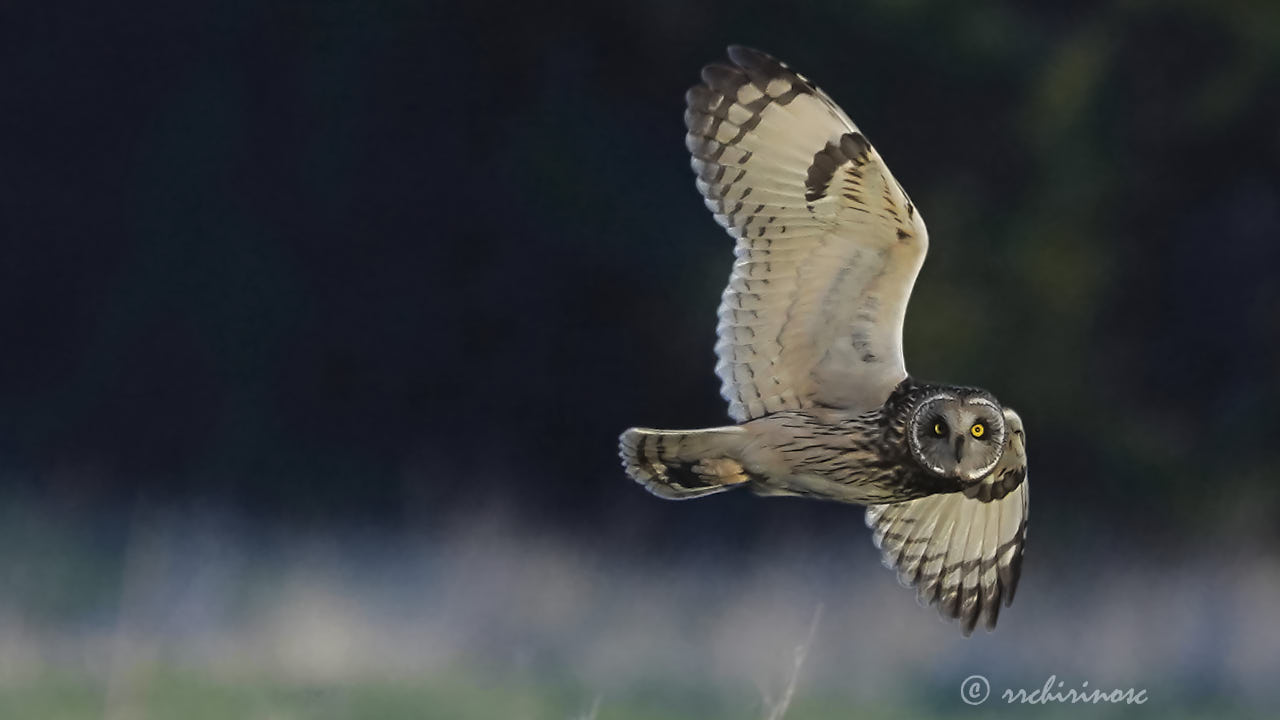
(828, 243)
(962, 551)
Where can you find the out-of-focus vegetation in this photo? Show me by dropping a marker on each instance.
(197, 698)
(486, 619)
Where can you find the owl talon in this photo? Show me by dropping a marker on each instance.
(720, 471)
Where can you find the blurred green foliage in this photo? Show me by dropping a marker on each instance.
(172, 694)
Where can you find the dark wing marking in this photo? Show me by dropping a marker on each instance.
(828, 244)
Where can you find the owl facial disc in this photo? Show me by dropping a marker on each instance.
(957, 435)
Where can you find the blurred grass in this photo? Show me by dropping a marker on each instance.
(168, 694)
(184, 615)
(193, 696)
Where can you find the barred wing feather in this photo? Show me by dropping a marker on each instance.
(962, 551)
(828, 243)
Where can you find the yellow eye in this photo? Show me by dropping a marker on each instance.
(977, 430)
(939, 430)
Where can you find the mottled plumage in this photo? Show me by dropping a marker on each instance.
(810, 349)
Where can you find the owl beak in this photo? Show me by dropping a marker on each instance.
(959, 445)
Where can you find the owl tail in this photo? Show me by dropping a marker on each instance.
(684, 464)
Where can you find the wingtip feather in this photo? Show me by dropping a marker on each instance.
(750, 58)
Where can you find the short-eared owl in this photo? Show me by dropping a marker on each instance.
(810, 349)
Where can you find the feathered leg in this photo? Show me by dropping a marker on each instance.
(684, 464)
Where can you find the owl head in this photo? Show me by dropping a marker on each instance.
(957, 433)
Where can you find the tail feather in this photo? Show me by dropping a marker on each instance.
(683, 464)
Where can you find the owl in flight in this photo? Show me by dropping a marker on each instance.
(810, 349)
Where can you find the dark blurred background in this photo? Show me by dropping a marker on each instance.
(381, 264)
(317, 259)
